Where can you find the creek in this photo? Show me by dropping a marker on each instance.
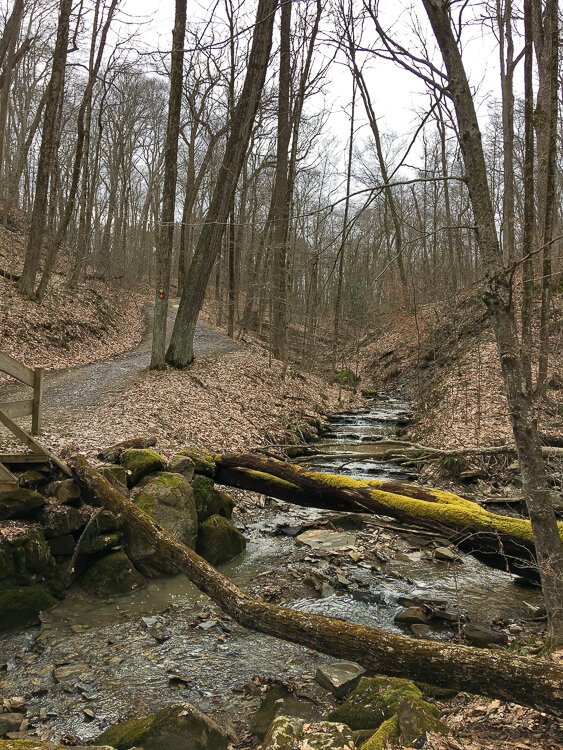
(94, 661)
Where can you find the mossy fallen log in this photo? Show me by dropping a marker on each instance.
(502, 542)
(531, 682)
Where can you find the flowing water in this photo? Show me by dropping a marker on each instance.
(168, 642)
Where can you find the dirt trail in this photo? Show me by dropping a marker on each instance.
(89, 385)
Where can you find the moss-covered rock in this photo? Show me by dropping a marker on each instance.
(176, 727)
(289, 733)
(169, 499)
(219, 541)
(393, 706)
(209, 501)
(370, 392)
(139, 462)
(20, 503)
(21, 605)
(65, 490)
(116, 476)
(25, 558)
(62, 545)
(204, 461)
(111, 575)
(182, 465)
(37, 745)
(59, 520)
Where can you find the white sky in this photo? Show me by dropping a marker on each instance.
(397, 94)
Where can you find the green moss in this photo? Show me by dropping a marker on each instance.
(219, 541)
(209, 501)
(388, 732)
(116, 475)
(21, 605)
(204, 461)
(139, 462)
(20, 503)
(370, 393)
(175, 727)
(270, 479)
(112, 575)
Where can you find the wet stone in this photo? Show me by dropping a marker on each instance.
(69, 672)
(340, 677)
(411, 616)
(446, 554)
(333, 541)
(10, 722)
(482, 637)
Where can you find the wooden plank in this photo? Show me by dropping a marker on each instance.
(37, 401)
(32, 444)
(24, 458)
(16, 369)
(7, 480)
(15, 409)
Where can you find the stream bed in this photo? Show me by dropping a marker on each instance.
(92, 661)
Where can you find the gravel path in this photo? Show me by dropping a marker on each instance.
(88, 385)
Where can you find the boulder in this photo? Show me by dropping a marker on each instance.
(111, 575)
(279, 701)
(62, 545)
(139, 462)
(482, 637)
(182, 465)
(25, 558)
(169, 499)
(209, 501)
(339, 677)
(60, 520)
(65, 490)
(10, 723)
(391, 705)
(219, 541)
(94, 543)
(289, 733)
(176, 727)
(33, 479)
(20, 503)
(204, 461)
(21, 605)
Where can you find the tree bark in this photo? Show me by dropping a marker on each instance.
(501, 542)
(498, 298)
(531, 682)
(47, 153)
(166, 233)
(181, 349)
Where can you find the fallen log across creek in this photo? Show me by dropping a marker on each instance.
(534, 682)
(500, 541)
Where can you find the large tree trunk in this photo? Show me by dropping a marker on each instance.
(501, 542)
(47, 153)
(531, 682)
(498, 298)
(181, 350)
(166, 233)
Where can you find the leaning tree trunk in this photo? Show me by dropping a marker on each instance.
(498, 298)
(531, 682)
(501, 542)
(181, 349)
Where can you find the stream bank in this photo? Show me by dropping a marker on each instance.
(93, 662)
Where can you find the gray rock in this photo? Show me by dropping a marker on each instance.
(422, 631)
(219, 541)
(176, 727)
(69, 672)
(60, 520)
(65, 490)
(169, 499)
(112, 575)
(327, 540)
(182, 465)
(340, 677)
(483, 637)
(288, 733)
(20, 503)
(10, 723)
(139, 462)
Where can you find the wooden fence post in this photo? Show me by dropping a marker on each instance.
(37, 400)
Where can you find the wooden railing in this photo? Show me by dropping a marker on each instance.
(30, 407)
(32, 377)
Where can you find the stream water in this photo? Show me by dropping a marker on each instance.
(168, 642)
